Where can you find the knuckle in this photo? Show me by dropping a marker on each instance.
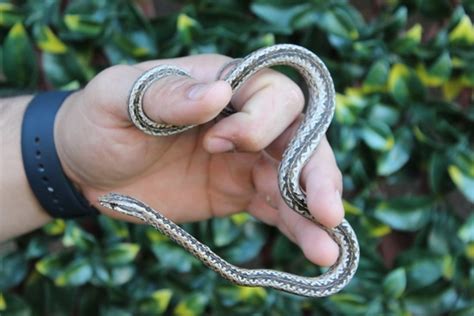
(252, 139)
(168, 88)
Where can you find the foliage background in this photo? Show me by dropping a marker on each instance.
(402, 133)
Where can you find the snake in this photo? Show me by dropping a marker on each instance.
(318, 115)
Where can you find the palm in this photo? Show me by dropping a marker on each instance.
(175, 173)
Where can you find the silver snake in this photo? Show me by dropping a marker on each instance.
(319, 112)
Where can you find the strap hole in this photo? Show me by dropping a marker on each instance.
(37, 140)
(40, 167)
(45, 179)
(38, 154)
(50, 189)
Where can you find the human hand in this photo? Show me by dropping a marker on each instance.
(215, 169)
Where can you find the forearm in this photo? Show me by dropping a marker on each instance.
(20, 211)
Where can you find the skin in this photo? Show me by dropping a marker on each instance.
(221, 167)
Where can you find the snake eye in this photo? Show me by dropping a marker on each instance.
(113, 205)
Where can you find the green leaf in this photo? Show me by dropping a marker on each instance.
(377, 76)
(247, 247)
(9, 15)
(18, 55)
(173, 257)
(281, 16)
(398, 85)
(391, 161)
(424, 271)
(76, 273)
(223, 231)
(395, 283)
(114, 228)
(50, 265)
(15, 306)
(63, 69)
(339, 23)
(466, 231)
(13, 269)
(437, 171)
(463, 180)
(121, 254)
(192, 305)
(441, 68)
(406, 213)
(75, 236)
(350, 303)
(431, 302)
(377, 135)
(384, 113)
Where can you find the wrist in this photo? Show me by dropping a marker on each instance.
(64, 139)
(44, 169)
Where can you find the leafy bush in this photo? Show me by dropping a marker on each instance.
(402, 134)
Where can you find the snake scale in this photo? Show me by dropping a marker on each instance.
(319, 112)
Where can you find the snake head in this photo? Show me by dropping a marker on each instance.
(124, 204)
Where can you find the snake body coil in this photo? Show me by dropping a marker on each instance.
(317, 118)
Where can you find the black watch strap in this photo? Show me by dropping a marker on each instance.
(55, 192)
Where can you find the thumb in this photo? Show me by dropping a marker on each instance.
(180, 100)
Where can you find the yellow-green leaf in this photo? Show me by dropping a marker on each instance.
(76, 273)
(463, 181)
(246, 293)
(49, 266)
(121, 254)
(8, 15)
(470, 251)
(72, 21)
(463, 32)
(185, 22)
(55, 227)
(18, 30)
(451, 88)
(86, 25)
(350, 208)
(449, 267)
(192, 305)
(414, 33)
(375, 228)
(3, 304)
(397, 72)
(49, 42)
(185, 26)
(162, 298)
(240, 218)
(398, 82)
(5, 6)
(155, 236)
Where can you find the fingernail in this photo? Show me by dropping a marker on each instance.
(219, 145)
(198, 90)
